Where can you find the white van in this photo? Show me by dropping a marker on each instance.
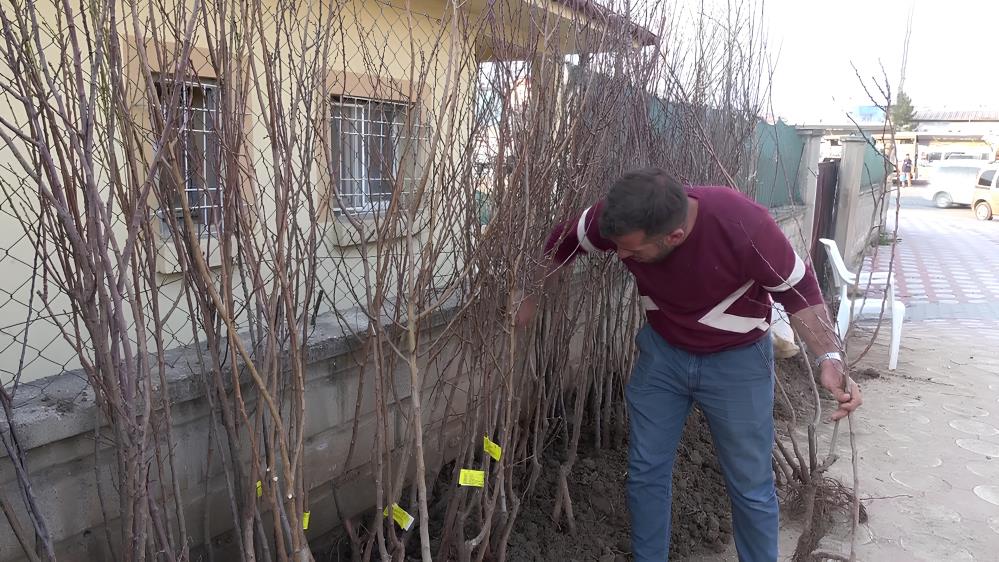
(929, 162)
(953, 183)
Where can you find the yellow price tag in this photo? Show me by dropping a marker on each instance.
(260, 488)
(494, 450)
(305, 520)
(474, 478)
(400, 516)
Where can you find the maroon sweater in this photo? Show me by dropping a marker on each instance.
(713, 292)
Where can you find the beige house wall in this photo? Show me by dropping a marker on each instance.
(388, 53)
(381, 42)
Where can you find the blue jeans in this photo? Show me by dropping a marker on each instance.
(735, 390)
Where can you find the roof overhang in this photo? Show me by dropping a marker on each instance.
(519, 29)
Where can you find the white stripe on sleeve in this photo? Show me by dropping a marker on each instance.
(587, 246)
(797, 274)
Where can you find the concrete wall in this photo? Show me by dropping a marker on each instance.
(864, 230)
(55, 419)
(858, 216)
(793, 222)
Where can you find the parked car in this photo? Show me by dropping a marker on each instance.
(929, 162)
(986, 193)
(953, 184)
(939, 157)
(983, 156)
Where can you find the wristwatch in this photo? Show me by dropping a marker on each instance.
(833, 355)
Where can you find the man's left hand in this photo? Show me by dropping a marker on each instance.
(848, 396)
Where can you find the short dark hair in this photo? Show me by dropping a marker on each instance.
(649, 199)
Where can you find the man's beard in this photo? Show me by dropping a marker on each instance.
(664, 251)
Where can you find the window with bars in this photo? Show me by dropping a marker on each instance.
(373, 148)
(196, 155)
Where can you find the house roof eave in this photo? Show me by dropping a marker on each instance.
(604, 15)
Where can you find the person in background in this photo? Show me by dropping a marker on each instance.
(907, 171)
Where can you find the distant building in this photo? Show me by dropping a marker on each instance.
(936, 133)
(980, 121)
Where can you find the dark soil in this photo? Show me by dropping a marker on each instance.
(702, 520)
(792, 375)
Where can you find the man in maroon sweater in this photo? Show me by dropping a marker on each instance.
(707, 261)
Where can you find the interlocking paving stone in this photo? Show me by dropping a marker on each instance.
(932, 469)
(944, 255)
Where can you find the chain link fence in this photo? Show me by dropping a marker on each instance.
(230, 177)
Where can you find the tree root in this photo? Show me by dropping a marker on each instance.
(822, 500)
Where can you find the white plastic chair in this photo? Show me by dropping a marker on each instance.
(848, 281)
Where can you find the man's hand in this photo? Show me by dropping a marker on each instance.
(526, 306)
(832, 376)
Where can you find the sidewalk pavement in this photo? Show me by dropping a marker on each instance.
(928, 447)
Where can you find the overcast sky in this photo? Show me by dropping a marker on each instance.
(952, 45)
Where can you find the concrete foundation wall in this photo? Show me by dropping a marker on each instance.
(55, 419)
(794, 222)
(864, 229)
(857, 218)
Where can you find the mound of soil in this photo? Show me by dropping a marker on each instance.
(702, 520)
(792, 375)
